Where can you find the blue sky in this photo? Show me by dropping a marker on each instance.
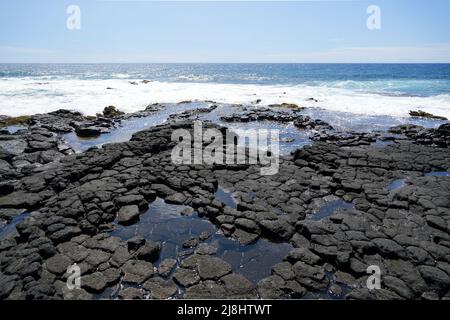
(226, 31)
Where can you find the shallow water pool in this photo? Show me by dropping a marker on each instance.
(164, 223)
(129, 126)
(331, 208)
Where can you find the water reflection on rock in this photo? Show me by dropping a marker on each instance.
(164, 223)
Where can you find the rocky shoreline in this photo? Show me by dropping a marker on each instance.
(70, 206)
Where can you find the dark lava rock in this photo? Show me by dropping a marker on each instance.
(404, 231)
(423, 114)
(186, 277)
(205, 235)
(94, 283)
(9, 214)
(88, 132)
(160, 289)
(150, 251)
(272, 288)
(58, 264)
(261, 114)
(303, 254)
(20, 199)
(310, 276)
(306, 123)
(444, 129)
(128, 215)
(112, 275)
(286, 105)
(206, 249)
(284, 270)
(437, 278)
(7, 284)
(135, 243)
(277, 228)
(75, 294)
(439, 137)
(6, 187)
(237, 285)
(190, 243)
(112, 112)
(389, 247)
(212, 268)
(131, 294)
(60, 121)
(120, 256)
(206, 290)
(176, 198)
(346, 139)
(245, 237)
(137, 271)
(65, 234)
(166, 266)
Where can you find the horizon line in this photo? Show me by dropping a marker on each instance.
(244, 62)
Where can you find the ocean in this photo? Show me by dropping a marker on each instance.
(359, 89)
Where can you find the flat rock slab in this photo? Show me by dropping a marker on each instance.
(166, 266)
(245, 237)
(150, 251)
(112, 275)
(135, 243)
(20, 199)
(160, 289)
(206, 249)
(190, 243)
(176, 198)
(128, 215)
(94, 283)
(212, 268)
(237, 285)
(271, 288)
(131, 294)
(58, 264)
(206, 290)
(137, 271)
(186, 277)
(88, 132)
(75, 294)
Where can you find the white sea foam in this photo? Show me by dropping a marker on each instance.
(28, 96)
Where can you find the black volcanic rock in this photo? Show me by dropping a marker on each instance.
(423, 114)
(75, 201)
(438, 137)
(88, 132)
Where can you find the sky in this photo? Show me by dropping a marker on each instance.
(224, 31)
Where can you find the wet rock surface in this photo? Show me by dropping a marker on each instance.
(423, 114)
(75, 203)
(261, 114)
(435, 137)
(192, 114)
(22, 154)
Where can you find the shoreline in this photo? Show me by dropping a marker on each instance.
(74, 203)
(363, 98)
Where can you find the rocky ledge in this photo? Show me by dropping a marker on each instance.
(261, 114)
(436, 137)
(334, 204)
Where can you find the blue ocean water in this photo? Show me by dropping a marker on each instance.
(400, 79)
(363, 89)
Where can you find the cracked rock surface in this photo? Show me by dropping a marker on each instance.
(331, 201)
